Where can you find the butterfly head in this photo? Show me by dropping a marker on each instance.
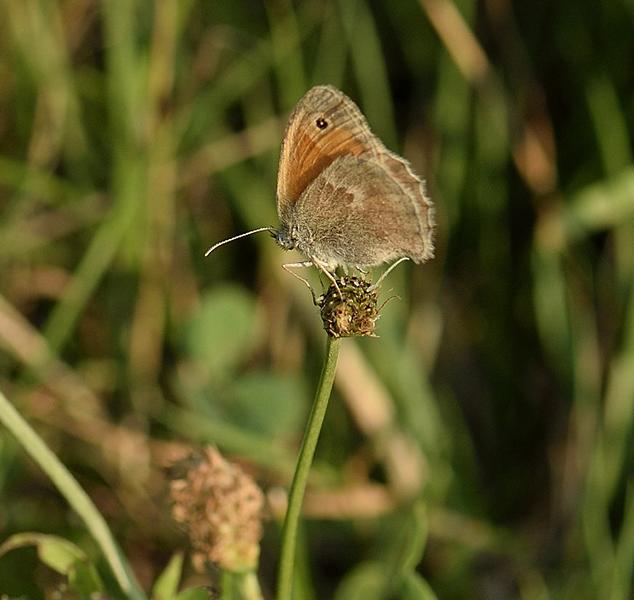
(285, 237)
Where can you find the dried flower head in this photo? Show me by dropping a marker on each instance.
(353, 312)
(220, 508)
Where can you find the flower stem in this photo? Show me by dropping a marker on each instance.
(240, 586)
(74, 494)
(304, 461)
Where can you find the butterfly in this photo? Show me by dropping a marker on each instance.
(343, 198)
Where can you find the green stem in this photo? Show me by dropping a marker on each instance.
(74, 494)
(240, 586)
(250, 587)
(304, 461)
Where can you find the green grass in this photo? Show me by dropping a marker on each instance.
(500, 393)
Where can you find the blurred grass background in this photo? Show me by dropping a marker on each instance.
(501, 391)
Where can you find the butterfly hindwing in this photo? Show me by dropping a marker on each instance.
(353, 213)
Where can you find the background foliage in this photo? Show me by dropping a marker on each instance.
(501, 391)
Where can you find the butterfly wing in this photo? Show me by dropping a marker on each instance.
(415, 194)
(325, 124)
(354, 213)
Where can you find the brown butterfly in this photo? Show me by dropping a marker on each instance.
(343, 198)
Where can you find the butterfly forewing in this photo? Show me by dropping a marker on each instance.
(324, 125)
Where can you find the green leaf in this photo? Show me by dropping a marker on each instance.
(84, 579)
(166, 586)
(365, 582)
(414, 537)
(223, 331)
(62, 556)
(400, 550)
(416, 588)
(56, 552)
(197, 593)
(369, 581)
(402, 544)
(267, 403)
(59, 554)
(600, 206)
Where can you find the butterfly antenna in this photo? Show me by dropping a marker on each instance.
(237, 237)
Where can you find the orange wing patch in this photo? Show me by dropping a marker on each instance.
(310, 157)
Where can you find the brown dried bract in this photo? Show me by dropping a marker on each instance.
(220, 507)
(353, 312)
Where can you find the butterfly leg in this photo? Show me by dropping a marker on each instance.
(323, 267)
(288, 266)
(374, 286)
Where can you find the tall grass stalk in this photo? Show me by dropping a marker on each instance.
(74, 494)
